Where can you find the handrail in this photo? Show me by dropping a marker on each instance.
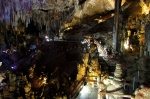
(77, 88)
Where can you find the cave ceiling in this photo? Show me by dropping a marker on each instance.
(68, 16)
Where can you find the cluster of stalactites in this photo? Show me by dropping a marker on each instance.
(13, 10)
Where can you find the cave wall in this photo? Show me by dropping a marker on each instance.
(147, 39)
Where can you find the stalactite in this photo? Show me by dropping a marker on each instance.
(13, 10)
(76, 3)
(46, 27)
(27, 20)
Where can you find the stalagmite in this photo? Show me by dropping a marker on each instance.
(116, 85)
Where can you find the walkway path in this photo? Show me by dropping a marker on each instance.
(88, 92)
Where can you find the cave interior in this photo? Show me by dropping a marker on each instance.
(51, 49)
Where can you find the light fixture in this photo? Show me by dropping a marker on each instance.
(46, 37)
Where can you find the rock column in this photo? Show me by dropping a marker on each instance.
(116, 84)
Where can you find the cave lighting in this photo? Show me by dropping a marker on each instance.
(85, 89)
(145, 8)
(126, 44)
(47, 40)
(46, 37)
(13, 67)
(0, 63)
(33, 47)
(99, 20)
